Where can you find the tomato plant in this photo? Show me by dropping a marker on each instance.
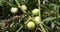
(29, 15)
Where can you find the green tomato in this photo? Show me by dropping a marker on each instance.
(35, 11)
(23, 7)
(14, 10)
(37, 20)
(31, 25)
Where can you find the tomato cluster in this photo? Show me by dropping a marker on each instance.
(35, 12)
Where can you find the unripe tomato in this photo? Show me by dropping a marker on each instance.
(23, 8)
(35, 11)
(31, 25)
(14, 10)
(37, 20)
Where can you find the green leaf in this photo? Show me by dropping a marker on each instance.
(49, 18)
(52, 25)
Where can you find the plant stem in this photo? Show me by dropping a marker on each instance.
(18, 3)
(19, 29)
(43, 30)
(28, 20)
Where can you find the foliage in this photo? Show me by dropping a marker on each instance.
(50, 16)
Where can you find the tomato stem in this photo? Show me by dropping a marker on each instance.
(28, 20)
(43, 30)
(19, 29)
(18, 3)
